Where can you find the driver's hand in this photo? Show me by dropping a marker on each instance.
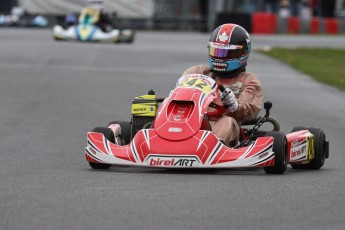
(229, 100)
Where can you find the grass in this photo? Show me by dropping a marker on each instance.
(323, 64)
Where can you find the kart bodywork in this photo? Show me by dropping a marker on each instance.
(91, 33)
(176, 134)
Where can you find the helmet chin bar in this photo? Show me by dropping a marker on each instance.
(224, 65)
(225, 73)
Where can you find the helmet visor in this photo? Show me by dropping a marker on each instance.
(220, 51)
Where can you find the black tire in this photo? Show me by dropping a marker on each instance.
(109, 135)
(125, 129)
(319, 148)
(280, 153)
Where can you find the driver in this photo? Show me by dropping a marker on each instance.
(95, 15)
(228, 52)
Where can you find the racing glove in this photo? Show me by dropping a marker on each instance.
(229, 100)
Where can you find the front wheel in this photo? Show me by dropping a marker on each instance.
(125, 129)
(280, 153)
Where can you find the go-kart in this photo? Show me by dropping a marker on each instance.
(93, 33)
(90, 27)
(174, 132)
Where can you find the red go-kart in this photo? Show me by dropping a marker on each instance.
(174, 132)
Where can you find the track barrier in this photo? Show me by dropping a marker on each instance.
(268, 23)
(315, 26)
(331, 26)
(264, 23)
(293, 25)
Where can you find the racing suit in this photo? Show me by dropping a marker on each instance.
(248, 91)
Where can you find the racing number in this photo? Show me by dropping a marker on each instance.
(201, 84)
(197, 83)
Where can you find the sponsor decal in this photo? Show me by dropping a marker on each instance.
(236, 88)
(225, 46)
(297, 152)
(92, 151)
(294, 143)
(172, 161)
(177, 118)
(139, 109)
(263, 155)
(182, 110)
(218, 66)
(223, 37)
(175, 130)
(298, 142)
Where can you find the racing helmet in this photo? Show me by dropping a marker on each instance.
(229, 49)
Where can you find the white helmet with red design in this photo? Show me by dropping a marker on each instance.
(229, 49)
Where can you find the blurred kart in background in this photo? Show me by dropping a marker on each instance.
(87, 29)
(177, 134)
(20, 18)
(92, 33)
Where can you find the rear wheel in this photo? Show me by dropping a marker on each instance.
(319, 150)
(125, 129)
(109, 135)
(280, 153)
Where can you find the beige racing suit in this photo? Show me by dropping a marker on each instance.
(248, 91)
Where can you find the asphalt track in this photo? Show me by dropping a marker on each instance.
(52, 93)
